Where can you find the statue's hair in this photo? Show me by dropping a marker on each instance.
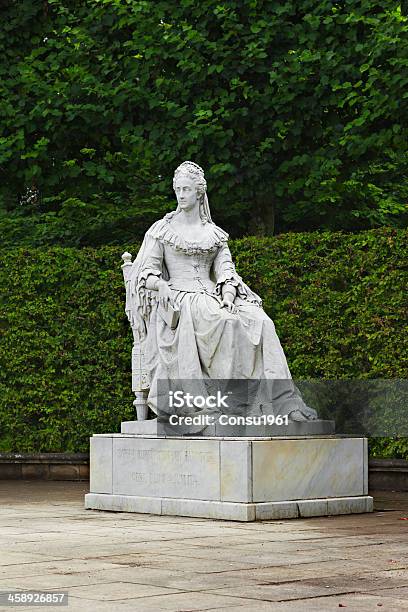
(194, 172)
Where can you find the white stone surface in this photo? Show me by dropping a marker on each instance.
(231, 511)
(276, 510)
(313, 507)
(242, 470)
(365, 466)
(101, 465)
(349, 505)
(123, 503)
(166, 468)
(234, 479)
(139, 427)
(185, 265)
(370, 504)
(308, 468)
(236, 470)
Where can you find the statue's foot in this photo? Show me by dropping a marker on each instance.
(297, 415)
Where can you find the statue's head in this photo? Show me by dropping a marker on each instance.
(190, 188)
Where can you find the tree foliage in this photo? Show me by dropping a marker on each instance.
(296, 109)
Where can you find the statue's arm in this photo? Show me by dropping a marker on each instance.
(229, 284)
(224, 272)
(152, 265)
(152, 273)
(224, 269)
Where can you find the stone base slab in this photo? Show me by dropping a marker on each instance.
(232, 478)
(230, 511)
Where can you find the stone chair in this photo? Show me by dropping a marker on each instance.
(140, 377)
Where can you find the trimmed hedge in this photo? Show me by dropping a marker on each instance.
(338, 302)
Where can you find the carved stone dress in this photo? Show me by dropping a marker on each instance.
(209, 342)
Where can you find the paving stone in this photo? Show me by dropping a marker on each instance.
(48, 541)
(318, 587)
(113, 591)
(360, 603)
(186, 602)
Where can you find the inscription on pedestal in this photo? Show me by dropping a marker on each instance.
(170, 468)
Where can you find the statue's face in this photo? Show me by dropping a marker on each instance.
(186, 193)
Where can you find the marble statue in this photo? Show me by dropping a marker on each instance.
(193, 317)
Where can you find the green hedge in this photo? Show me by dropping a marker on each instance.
(337, 301)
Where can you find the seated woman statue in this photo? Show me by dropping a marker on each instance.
(184, 269)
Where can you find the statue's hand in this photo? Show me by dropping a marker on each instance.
(165, 296)
(230, 306)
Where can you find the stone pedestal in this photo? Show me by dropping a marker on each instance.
(242, 479)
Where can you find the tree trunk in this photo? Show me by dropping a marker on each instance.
(262, 221)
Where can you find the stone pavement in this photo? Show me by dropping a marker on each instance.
(109, 561)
